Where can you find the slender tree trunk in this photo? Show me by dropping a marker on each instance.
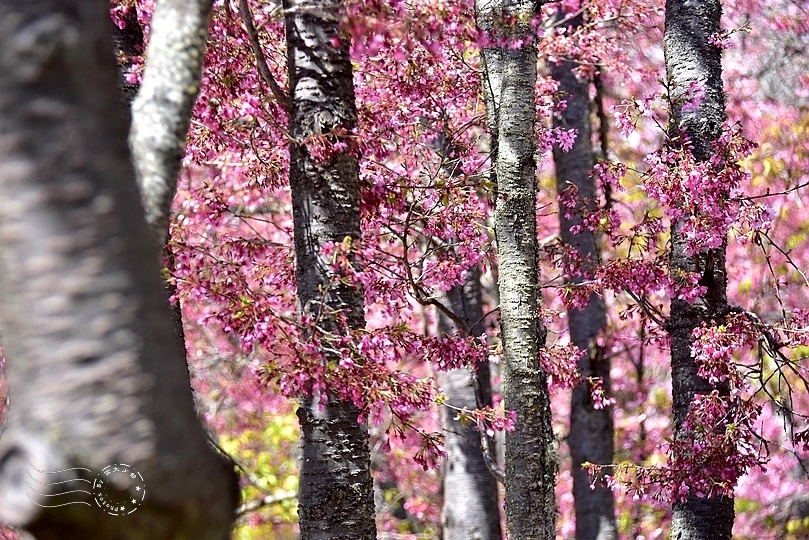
(471, 504)
(336, 491)
(690, 58)
(591, 430)
(96, 372)
(530, 458)
(471, 509)
(162, 109)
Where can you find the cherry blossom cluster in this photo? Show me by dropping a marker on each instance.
(703, 194)
(715, 449)
(598, 394)
(559, 362)
(715, 348)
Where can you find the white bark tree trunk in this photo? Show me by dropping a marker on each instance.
(691, 58)
(162, 108)
(509, 85)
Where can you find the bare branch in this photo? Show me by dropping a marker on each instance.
(252, 506)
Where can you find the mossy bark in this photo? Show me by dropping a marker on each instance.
(509, 86)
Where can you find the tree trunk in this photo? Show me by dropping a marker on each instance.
(471, 509)
(591, 430)
(471, 506)
(530, 458)
(690, 58)
(336, 492)
(162, 109)
(97, 374)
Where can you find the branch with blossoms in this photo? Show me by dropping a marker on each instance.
(434, 252)
(488, 420)
(313, 353)
(261, 62)
(715, 450)
(721, 439)
(487, 439)
(770, 341)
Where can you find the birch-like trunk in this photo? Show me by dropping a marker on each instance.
(471, 509)
(96, 372)
(690, 58)
(509, 85)
(471, 506)
(591, 430)
(336, 492)
(161, 112)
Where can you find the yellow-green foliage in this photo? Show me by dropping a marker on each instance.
(797, 528)
(270, 456)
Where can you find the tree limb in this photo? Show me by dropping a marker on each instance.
(261, 61)
(161, 112)
(252, 506)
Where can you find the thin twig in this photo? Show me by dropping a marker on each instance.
(650, 311)
(788, 258)
(486, 445)
(778, 193)
(603, 132)
(252, 506)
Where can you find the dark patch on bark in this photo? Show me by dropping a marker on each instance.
(128, 46)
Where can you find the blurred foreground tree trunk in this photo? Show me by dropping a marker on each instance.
(96, 372)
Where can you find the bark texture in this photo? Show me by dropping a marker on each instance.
(591, 430)
(96, 371)
(691, 58)
(471, 510)
(530, 457)
(336, 491)
(162, 109)
(128, 45)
